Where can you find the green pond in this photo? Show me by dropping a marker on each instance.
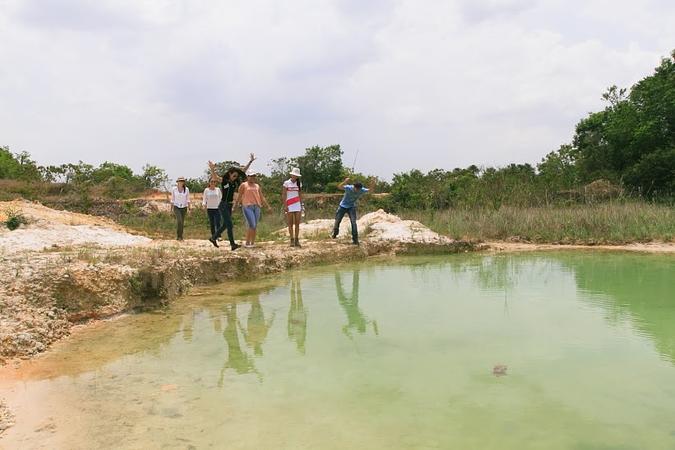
(392, 354)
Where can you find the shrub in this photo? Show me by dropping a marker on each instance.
(15, 219)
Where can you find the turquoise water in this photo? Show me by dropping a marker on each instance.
(388, 355)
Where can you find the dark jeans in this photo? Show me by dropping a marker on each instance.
(214, 219)
(352, 218)
(180, 220)
(226, 213)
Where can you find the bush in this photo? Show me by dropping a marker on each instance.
(14, 219)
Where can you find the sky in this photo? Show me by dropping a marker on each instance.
(404, 84)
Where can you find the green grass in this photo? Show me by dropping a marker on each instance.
(607, 223)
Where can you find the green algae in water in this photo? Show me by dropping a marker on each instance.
(395, 356)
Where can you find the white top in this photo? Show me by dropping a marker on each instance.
(212, 197)
(180, 199)
(292, 196)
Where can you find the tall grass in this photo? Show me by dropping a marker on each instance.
(605, 223)
(610, 223)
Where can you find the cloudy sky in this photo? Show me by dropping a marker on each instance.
(407, 83)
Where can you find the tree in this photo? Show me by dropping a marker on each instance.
(153, 177)
(632, 139)
(18, 166)
(557, 170)
(109, 170)
(9, 166)
(320, 166)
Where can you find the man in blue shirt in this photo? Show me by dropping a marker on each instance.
(348, 206)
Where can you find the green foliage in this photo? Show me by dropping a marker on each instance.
(14, 219)
(18, 166)
(320, 166)
(557, 170)
(153, 177)
(632, 140)
(196, 185)
(108, 170)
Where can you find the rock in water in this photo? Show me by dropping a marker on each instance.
(499, 370)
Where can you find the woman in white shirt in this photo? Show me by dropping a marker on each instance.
(180, 199)
(291, 197)
(211, 201)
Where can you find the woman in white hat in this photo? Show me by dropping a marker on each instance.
(180, 200)
(291, 198)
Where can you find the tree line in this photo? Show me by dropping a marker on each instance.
(628, 149)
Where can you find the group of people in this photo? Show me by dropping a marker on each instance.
(239, 187)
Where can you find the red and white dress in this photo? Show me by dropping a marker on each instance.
(292, 196)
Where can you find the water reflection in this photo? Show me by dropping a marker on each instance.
(641, 287)
(297, 317)
(356, 320)
(237, 358)
(256, 326)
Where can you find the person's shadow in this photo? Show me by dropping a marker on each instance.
(356, 321)
(297, 317)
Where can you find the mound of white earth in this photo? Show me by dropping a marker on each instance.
(48, 228)
(375, 226)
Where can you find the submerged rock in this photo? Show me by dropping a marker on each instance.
(499, 370)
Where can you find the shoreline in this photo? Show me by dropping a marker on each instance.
(636, 247)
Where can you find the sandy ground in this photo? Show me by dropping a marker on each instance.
(51, 229)
(648, 247)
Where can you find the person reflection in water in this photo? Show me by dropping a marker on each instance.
(297, 317)
(256, 329)
(188, 325)
(355, 318)
(237, 359)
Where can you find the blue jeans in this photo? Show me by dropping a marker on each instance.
(339, 215)
(252, 215)
(214, 219)
(225, 209)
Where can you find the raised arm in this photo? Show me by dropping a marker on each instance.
(214, 175)
(250, 161)
(341, 186)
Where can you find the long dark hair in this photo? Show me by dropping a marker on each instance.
(298, 183)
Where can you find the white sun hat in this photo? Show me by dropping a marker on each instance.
(296, 172)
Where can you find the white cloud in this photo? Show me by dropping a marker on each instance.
(411, 84)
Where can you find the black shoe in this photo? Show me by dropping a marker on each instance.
(333, 235)
(235, 246)
(355, 243)
(214, 242)
(297, 243)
